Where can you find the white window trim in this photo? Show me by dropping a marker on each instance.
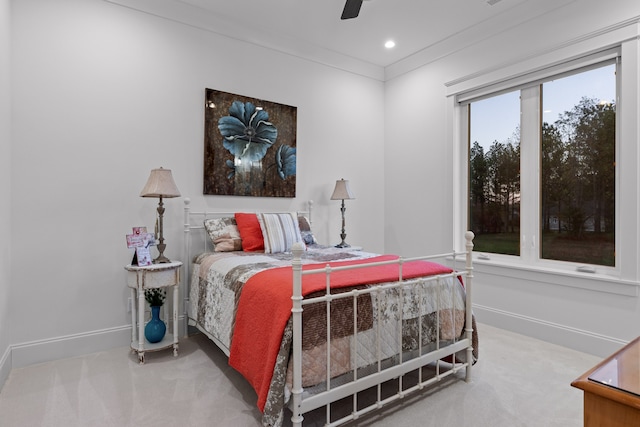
(621, 40)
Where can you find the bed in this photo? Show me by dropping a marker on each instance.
(309, 325)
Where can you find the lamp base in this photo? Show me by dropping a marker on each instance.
(343, 245)
(161, 260)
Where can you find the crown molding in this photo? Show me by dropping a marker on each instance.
(183, 13)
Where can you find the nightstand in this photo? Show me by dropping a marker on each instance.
(139, 278)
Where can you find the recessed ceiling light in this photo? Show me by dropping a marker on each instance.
(389, 44)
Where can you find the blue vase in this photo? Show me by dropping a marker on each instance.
(155, 329)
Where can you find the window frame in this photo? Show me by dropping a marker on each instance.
(620, 42)
(530, 109)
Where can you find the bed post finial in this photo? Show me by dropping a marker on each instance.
(469, 236)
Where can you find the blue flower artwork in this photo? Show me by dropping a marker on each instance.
(247, 131)
(286, 161)
(250, 146)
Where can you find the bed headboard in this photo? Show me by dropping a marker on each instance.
(196, 239)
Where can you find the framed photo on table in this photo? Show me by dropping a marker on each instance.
(140, 240)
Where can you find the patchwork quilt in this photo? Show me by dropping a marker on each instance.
(419, 315)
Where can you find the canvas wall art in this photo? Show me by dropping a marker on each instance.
(249, 146)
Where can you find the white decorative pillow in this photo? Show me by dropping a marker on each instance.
(280, 231)
(224, 234)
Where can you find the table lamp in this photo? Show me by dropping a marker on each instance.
(160, 184)
(342, 192)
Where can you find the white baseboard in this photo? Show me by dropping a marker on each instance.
(30, 353)
(41, 351)
(33, 352)
(577, 339)
(5, 366)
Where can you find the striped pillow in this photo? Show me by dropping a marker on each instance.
(280, 231)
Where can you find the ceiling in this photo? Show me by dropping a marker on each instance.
(412, 24)
(313, 28)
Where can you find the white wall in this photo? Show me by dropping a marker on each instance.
(418, 203)
(101, 95)
(5, 190)
(587, 320)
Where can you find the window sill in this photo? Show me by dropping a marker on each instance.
(589, 281)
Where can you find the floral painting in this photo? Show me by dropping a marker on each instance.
(249, 147)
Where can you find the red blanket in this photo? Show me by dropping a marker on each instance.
(265, 307)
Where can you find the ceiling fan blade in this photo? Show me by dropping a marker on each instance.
(351, 9)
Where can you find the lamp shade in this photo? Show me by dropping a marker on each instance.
(160, 184)
(342, 191)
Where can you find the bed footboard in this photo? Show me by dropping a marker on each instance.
(458, 350)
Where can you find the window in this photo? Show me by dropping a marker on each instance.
(577, 180)
(541, 167)
(494, 173)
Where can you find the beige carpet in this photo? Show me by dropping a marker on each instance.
(518, 381)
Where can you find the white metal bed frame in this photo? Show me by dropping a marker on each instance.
(300, 404)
